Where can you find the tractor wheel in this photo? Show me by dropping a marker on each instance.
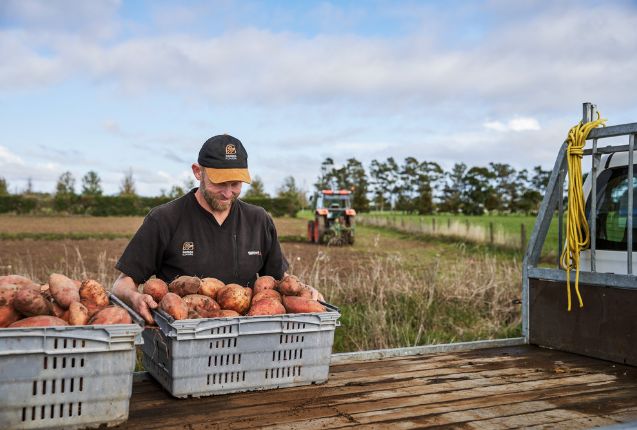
(310, 231)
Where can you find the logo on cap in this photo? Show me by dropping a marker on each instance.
(231, 152)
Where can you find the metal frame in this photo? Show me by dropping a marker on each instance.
(553, 201)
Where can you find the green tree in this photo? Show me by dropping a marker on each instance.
(65, 185)
(91, 184)
(358, 184)
(257, 189)
(479, 195)
(127, 187)
(453, 189)
(505, 183)
(293, 194)
(4, 187)
(326, 178)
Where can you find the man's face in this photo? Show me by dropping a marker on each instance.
(219, 196)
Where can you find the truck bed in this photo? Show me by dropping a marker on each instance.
(508, 387)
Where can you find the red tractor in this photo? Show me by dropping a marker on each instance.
(333, 222)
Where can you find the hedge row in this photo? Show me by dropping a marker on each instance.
(116, 205)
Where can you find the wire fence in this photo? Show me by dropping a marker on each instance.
(492, 234)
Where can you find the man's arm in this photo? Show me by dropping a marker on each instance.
(125, 288)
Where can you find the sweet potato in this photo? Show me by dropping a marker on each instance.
(266, 306)
(110, 315)
(39, 321)
(290, 286)
(78, 314)
(185, 285)
(63, 290)
(300, 305)
(92, 291)
(8, 315)
(18, 280)
(93, 296)
(270, 294)
(224, 313)
(264, 283)
(193, 315)
(234, 297)
(305, 292)
(201, 304)
(174, 306)
(28, 301)
(156, 288)
(7, 293)
(210, 287)
(56, 310)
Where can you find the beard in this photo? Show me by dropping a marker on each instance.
(214, 202)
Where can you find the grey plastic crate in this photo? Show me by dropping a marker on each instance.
(67, 377)
(224, 355)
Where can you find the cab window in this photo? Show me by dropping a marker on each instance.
(612, 212)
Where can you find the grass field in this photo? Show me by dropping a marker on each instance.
(394, 288)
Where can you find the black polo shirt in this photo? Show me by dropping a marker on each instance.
(182, 238)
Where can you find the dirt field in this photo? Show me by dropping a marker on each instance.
(95, 257)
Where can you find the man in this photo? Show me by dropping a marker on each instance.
(206, 233)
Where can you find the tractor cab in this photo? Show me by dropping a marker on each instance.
(333, 218)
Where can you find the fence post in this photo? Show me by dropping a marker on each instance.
(448, 223)
(491, 232)
(467, 225)
(433, 224)
(523, 236)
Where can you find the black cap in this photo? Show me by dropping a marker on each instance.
(225, 159)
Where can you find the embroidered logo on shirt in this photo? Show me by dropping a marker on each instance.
(254, 252)
(188, 248)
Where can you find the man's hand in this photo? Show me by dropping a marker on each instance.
(142, 304)
(126, 289)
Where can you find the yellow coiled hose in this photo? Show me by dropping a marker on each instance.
(577, 230)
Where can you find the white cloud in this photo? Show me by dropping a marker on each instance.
(516, 64)
(515, 124)
(6, 156)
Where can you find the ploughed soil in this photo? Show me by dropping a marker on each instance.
(96, 257)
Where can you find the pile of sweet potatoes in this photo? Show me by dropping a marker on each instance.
(189, 297)
(60, 302)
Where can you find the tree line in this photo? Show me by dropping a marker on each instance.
(288, 200)
(424, 187)
(414, 186)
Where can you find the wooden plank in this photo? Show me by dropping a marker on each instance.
(605, 327)
(432, 377)
(272, 413)
(447, 383)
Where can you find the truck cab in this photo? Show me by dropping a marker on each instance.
(612, 215)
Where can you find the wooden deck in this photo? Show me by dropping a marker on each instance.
(510, 387)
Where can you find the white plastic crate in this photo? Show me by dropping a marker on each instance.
(67, 377)
(223, 355)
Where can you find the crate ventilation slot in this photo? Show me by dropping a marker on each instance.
(283, 372)
(68, 343)
(291, 338)
(224, 343)
(221, 330)
(62, 362)
(225, 378)
(287, 354)
(224, 360)
(52, 411)
(58, 386)
(294, 325)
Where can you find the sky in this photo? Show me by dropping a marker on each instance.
(117, 86)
